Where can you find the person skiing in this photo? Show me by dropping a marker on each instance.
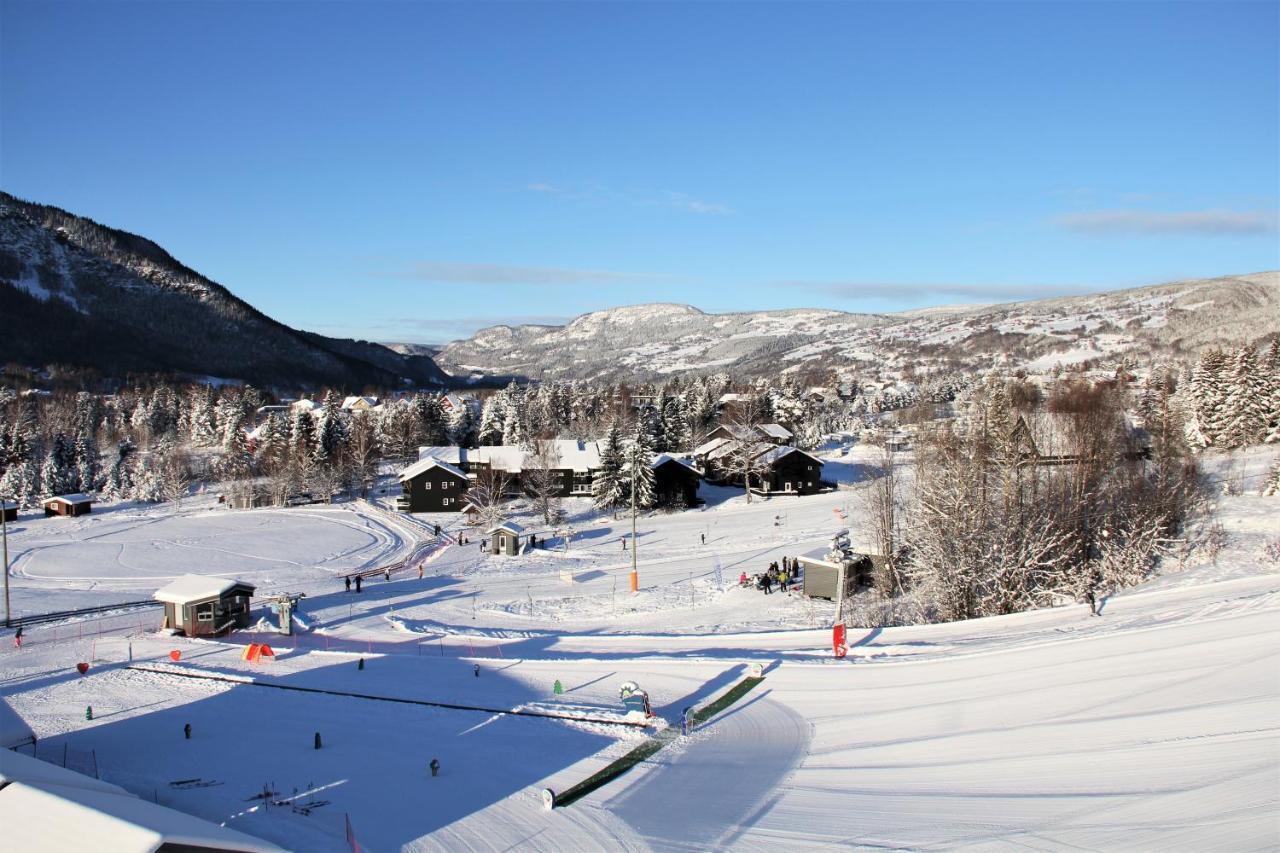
(742, 578)
(17, 637)
(768, 582)
(624, 543)
(347, 580)
(437, 530)
(387, 574)
(704, 538)
(358, 581)
(419, 571)
(186, 731)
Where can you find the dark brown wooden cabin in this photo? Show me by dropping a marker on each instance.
(68, 505)
(675, 482)
(432, 486)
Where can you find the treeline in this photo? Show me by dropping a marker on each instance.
(1231, 398)
(153, 442)
(984, 529)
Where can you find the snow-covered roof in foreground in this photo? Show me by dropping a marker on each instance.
(77, 498)
(424, 465)
(195, 588)
(47, 808)
(14, 730)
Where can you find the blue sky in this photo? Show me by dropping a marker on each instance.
(413, 171)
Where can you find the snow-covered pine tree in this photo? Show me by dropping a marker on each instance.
(88, 466)
(1271, 372)
(606, 486)
(119, 479)
(272, 445)
(302, 435)
(428, 420)
(675, 425)
(21, 483)
(330, 431)
(637, 470)
(513, 416)
(491, 421)
(58, 472)
(1245, 404)
(1206, 422)
(201, 419)
(462, 425)
(1271, 485)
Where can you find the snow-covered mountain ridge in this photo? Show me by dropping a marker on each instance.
(648, 341)
(76, 292)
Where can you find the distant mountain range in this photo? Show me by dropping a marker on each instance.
(650, 341)
(76, 292)
(79, 293)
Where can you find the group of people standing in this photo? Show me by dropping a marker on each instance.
(780, 575)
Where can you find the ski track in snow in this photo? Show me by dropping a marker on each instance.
(1153, 726)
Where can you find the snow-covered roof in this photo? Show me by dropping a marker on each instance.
(352, 402)
(303, 405)
(578, 455)
(190, 588)
(505, 457)
(7, 505)
(772, 454)
(777, 431)
(424, 465)
(77, 498)
(448, 454)
(731, 446)
(660, 459)
(46, 808)
(708, 446)
(509, 526)
(14, 730)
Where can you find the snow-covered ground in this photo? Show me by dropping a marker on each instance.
(1153, 726)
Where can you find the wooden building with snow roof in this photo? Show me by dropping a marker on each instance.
(205, 605)
(431, 485)
(675, 482)
(69, 505)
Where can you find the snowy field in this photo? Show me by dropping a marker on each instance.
(1153, 726)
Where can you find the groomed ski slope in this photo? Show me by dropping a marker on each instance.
(1155, 726)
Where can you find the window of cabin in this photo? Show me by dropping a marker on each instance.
(426, 486)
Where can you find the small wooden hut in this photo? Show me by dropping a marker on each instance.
(204, 605)
(69, 505)
(505, 539)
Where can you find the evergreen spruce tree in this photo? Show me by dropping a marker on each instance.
(637, 469)
(330, 432)
(606, 486)
(1271, 373)
(1207, 421)
(428, 421)
(491, 422)
(462, 425)
(88, 465)
(1245, 405)
(302, 436)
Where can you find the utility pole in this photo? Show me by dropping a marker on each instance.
(4, 533)
(635, 571)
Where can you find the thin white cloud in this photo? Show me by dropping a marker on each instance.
(1215, 222)
(855, 290)
(635, 197)
(449, 272)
